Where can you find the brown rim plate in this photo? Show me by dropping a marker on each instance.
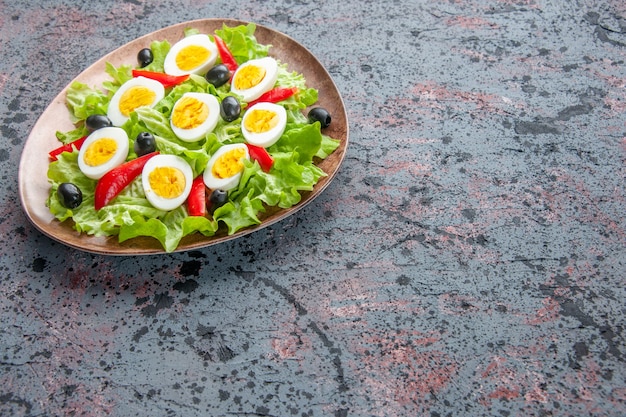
(33, 181)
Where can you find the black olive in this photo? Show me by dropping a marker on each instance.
(144, 143)
(230, 109)
(218, 75)
(145, 57)
(319, 114)
(69, 195)
(97, 121)
(217, 199)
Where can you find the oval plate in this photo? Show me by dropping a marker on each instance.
(33, 180)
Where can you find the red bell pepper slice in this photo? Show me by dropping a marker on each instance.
(275, 95)
(165, 79)
(227, 57)
(114, 181)
(69, 147)
(196, 202)
(261, 155)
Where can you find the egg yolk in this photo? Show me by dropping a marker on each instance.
(248, 77)
(259, 120)
(100, 151)
(189, 113)
(229, 164)
(134, 98)
(191, 57)
(167, 182)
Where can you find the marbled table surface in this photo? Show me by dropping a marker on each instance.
(469, 259)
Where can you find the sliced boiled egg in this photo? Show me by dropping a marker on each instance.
(166, 181)
(134, 93)
(254, 78)
(194, 54)
(102, 151)
(263, 124)
(223, 171)
(194, 115)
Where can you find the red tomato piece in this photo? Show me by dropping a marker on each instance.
(114, 181)
(166, 80)
(275, 95)
(261, 155)
(196, 202)
(225, 54)
(67, 148)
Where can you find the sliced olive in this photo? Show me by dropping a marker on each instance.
(144, 143)
(319, 114)
(69, 195)
(145, 57)
(230, 109)
(97, 121)
(218, 75)
(217, 199)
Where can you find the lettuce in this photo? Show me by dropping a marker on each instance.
(242, 42)
(240, 213)
(118, 77)
(130, 215)
(83, 101)
(159, 52)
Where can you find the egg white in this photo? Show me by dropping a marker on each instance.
(165, 160)
(215, 183)
(114, 113)
(171, 67)
(121, 139)
(267, 83)
(198, 132)
(270, 137)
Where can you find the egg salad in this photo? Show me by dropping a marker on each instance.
(199, 134)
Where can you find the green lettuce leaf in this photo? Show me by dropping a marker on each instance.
(83, 101)
(141, 226)
(242, 42)
(305, 97)
(305, 140)
(204, 225)
(119, 76)
(168, 229)
(328, 146)
(65, 169)
(159, 52)
(240, 213)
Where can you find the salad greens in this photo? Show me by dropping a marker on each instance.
(130, 214)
